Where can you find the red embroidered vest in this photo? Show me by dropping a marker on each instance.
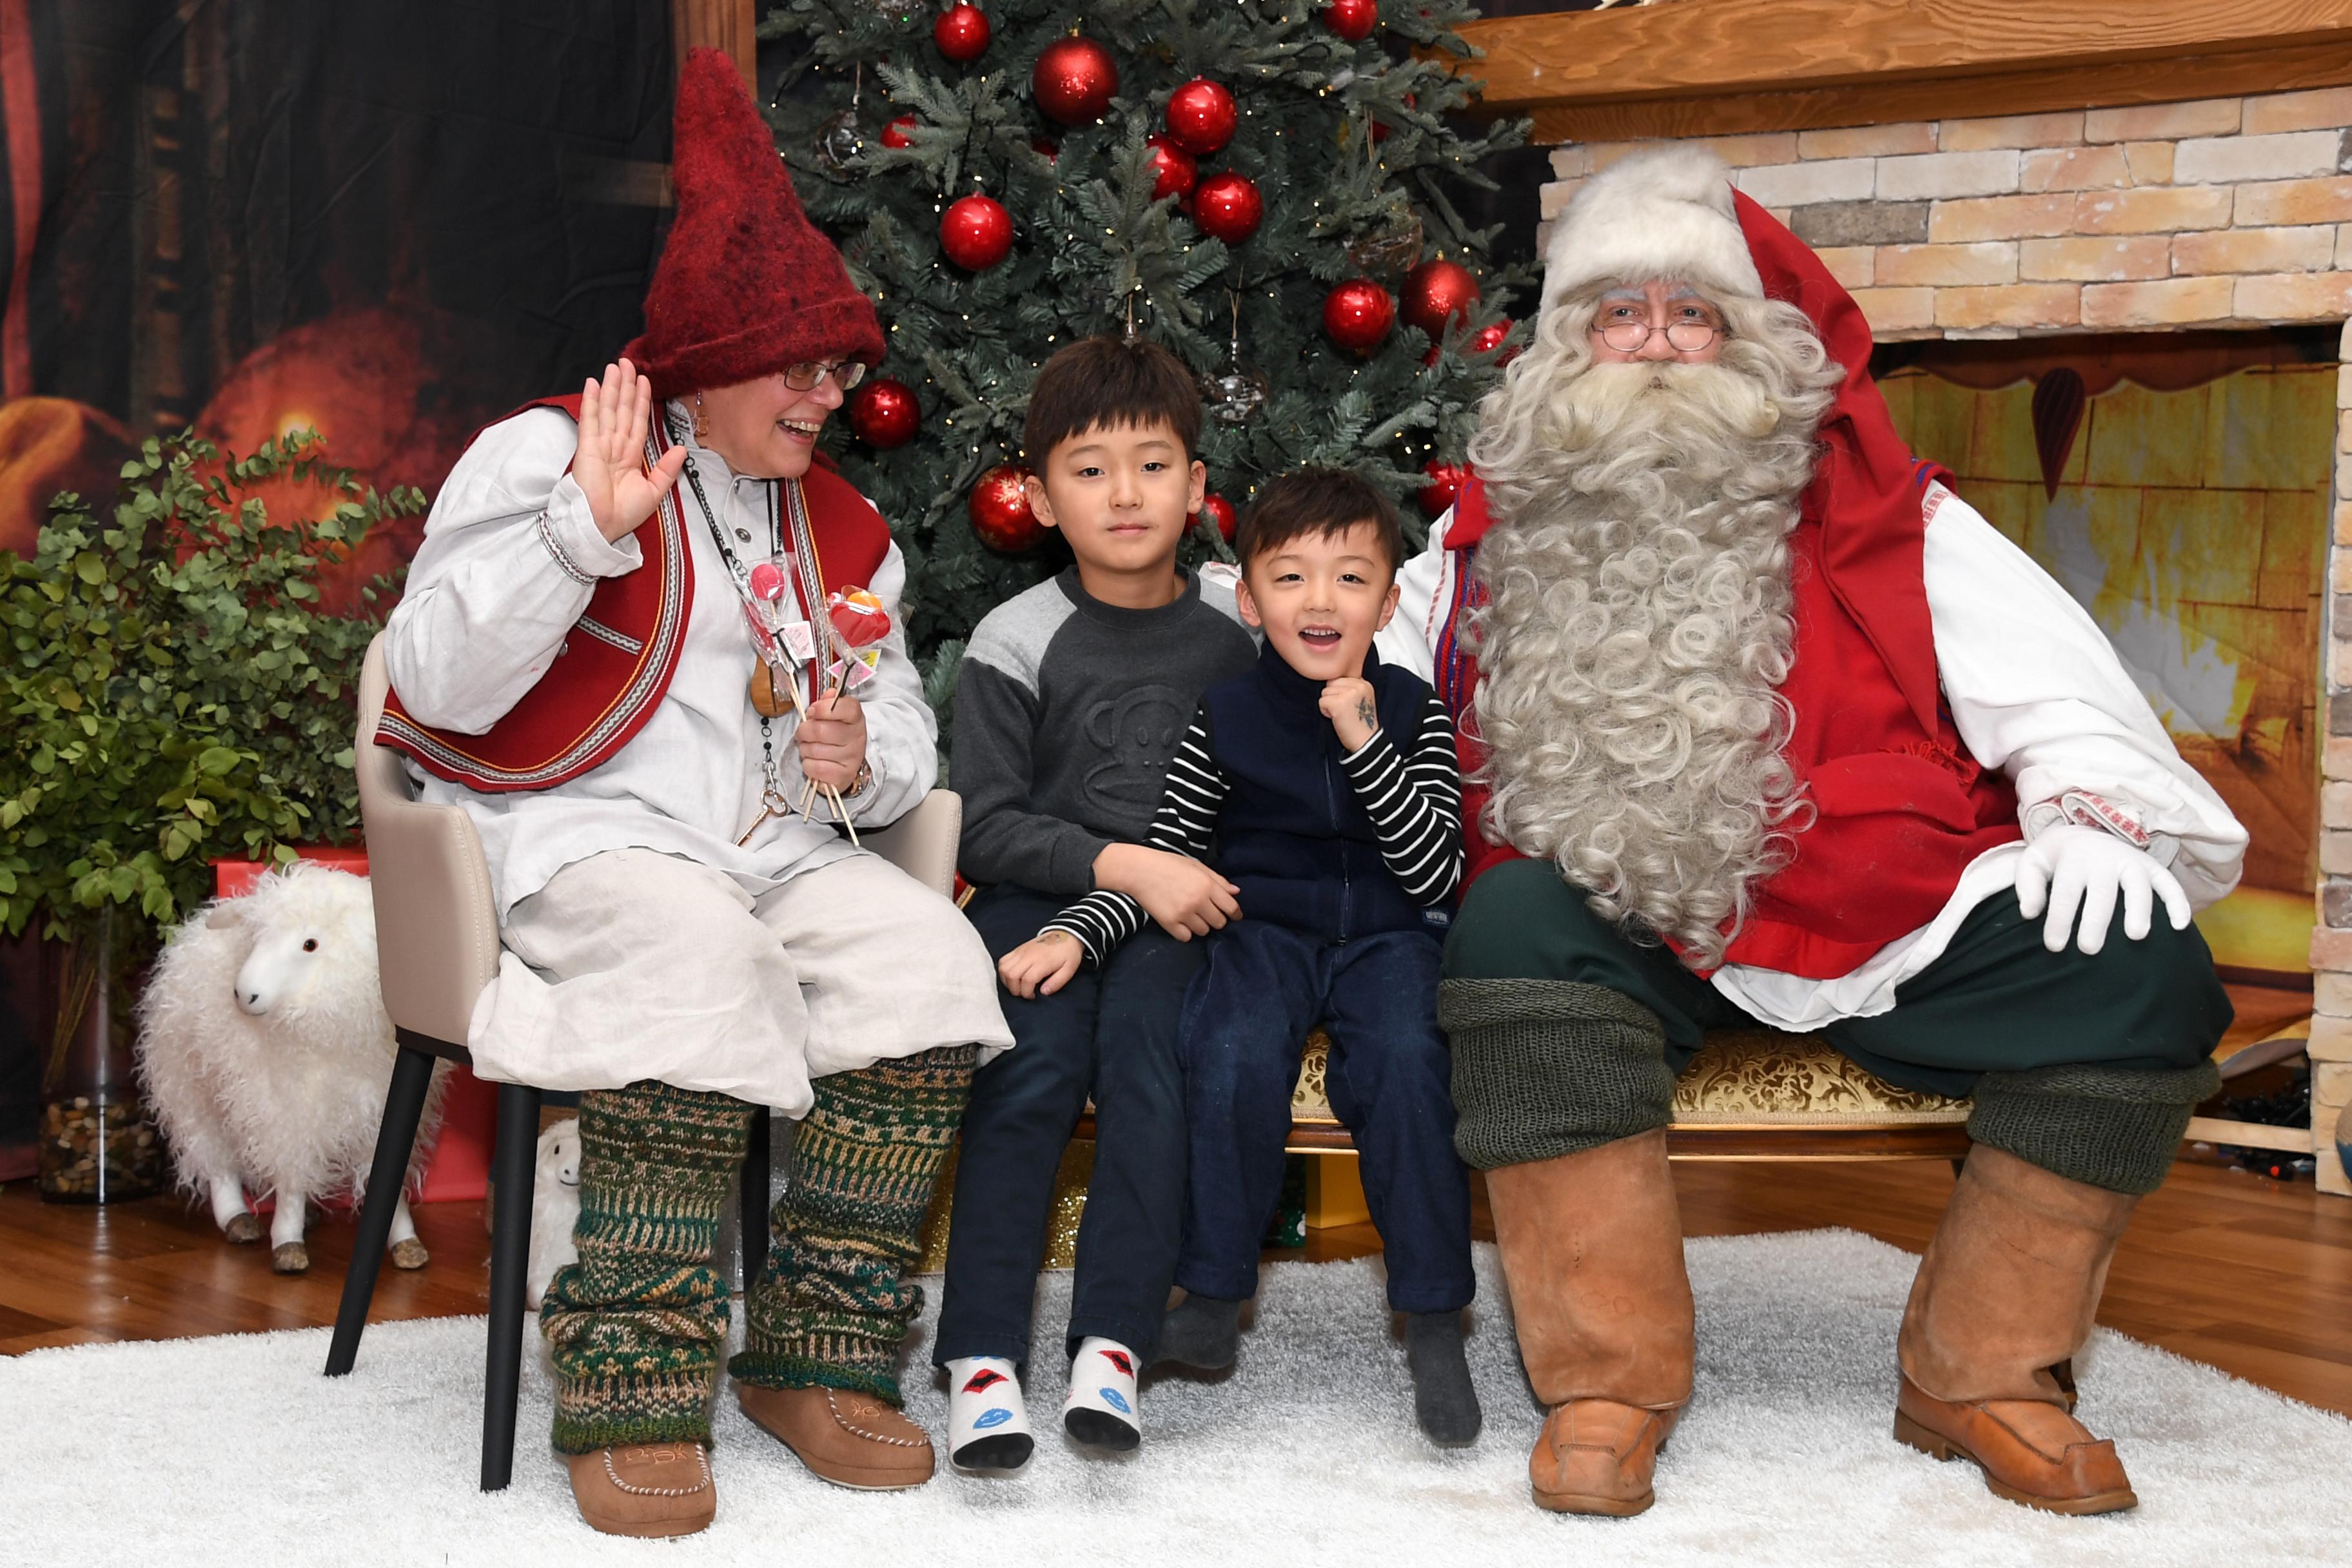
(1899, 807)
(612, 674)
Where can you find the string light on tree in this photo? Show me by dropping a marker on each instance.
(1074, 81)
(1202, 116)
(961, 33)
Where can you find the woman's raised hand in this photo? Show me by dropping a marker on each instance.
(609, 464)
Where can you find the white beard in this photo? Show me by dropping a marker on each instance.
(1638, 628)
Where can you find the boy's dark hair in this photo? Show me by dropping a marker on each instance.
(1321, 501)
(1114, 383)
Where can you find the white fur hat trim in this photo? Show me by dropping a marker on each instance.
(1662, 212)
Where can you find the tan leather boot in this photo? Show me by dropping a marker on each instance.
(2004, 1299)
(1593, 1254)
(645, 1489)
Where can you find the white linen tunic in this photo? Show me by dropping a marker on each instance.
(2035, 690)
(485, 617)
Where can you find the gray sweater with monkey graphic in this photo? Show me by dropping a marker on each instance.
(1067, 712)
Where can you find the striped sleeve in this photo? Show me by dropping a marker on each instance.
(1415, 804)
(1184, 823)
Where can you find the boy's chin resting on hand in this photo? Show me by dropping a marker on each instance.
(1042, 965)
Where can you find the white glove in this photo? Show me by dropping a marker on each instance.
(2069, 868)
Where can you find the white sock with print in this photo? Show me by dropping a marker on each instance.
(1101, 1411)
(988, 1425)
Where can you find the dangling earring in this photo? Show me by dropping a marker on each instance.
(701, 420)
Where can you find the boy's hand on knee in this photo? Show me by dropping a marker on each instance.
(1184, 896)
(1042, 965)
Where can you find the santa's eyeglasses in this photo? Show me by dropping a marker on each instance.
(1684, 337)
(804, 377)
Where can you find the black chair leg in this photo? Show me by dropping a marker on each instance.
(412, 1074)
(509, 1264)
(753, 1231)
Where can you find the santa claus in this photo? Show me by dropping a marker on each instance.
(1763, 723)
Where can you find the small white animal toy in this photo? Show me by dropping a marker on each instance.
(267, 1055)
(554, 1207)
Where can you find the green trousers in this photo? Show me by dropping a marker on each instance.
(636, 1326)
(2084, 1064)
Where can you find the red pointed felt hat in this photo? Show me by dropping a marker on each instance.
(746, 284)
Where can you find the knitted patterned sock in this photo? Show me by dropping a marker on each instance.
(636, 1325)
(832, 1307)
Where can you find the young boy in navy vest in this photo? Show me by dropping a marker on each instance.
(1327, 783)
(1069, 707)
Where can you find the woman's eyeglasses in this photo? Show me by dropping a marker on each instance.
(803, 377)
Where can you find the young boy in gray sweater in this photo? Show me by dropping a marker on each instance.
(1071, 701)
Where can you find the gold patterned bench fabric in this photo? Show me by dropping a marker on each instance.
(1745, 1077)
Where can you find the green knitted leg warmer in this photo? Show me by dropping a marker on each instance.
(2109, 1127)
(832, 1307)
(636, 1325)
(1544, 1068)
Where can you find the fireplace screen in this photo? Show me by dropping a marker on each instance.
(2184, 502)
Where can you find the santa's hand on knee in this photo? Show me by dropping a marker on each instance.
(2079, 874)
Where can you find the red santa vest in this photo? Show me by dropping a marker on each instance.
(1899, 807)
(613, 669)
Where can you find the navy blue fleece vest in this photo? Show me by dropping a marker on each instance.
(1292, 834)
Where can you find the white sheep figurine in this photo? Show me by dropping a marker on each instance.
(554, 1209)
(267, 1055)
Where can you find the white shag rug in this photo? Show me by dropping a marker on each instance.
(234, 1450)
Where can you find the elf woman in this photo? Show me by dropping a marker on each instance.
(577, 664)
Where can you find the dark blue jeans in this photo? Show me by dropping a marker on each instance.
(1109, 1033)
(1264, 987)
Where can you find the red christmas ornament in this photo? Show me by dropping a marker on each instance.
(961, 33)
(1202, 116)
(1228, 206)
(1445, 486)
(1357, 314)
(1044, 148)
(1000, 510)
(1220, 512)
(897, 133)
(884, 414)
(1173, 169)
(1436, 292)
(1485, 340)
(1381, 131)
(976, 232)
(1352, 19)
(1074, 81)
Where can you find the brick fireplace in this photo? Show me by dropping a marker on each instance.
(2221, 220)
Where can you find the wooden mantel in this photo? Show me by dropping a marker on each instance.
(1707, 68)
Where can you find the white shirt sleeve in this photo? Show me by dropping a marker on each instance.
(2036, 690)
(1423, 584)
(509, 560)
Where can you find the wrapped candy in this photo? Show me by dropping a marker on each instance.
(858, 617)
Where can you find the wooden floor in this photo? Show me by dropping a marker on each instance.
(2250, 1275)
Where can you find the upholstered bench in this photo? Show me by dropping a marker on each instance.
(1750, 1094)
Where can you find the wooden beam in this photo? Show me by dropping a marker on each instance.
(727, 24)
(1727, 67)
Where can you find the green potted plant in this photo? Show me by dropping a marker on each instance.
(170, 694)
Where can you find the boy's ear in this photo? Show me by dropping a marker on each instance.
(1034, 487)
(1389, 604)
(1199, 490)
(1248, 607)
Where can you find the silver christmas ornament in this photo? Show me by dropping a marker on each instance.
(838, 140)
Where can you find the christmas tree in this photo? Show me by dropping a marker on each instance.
(1260, 185)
